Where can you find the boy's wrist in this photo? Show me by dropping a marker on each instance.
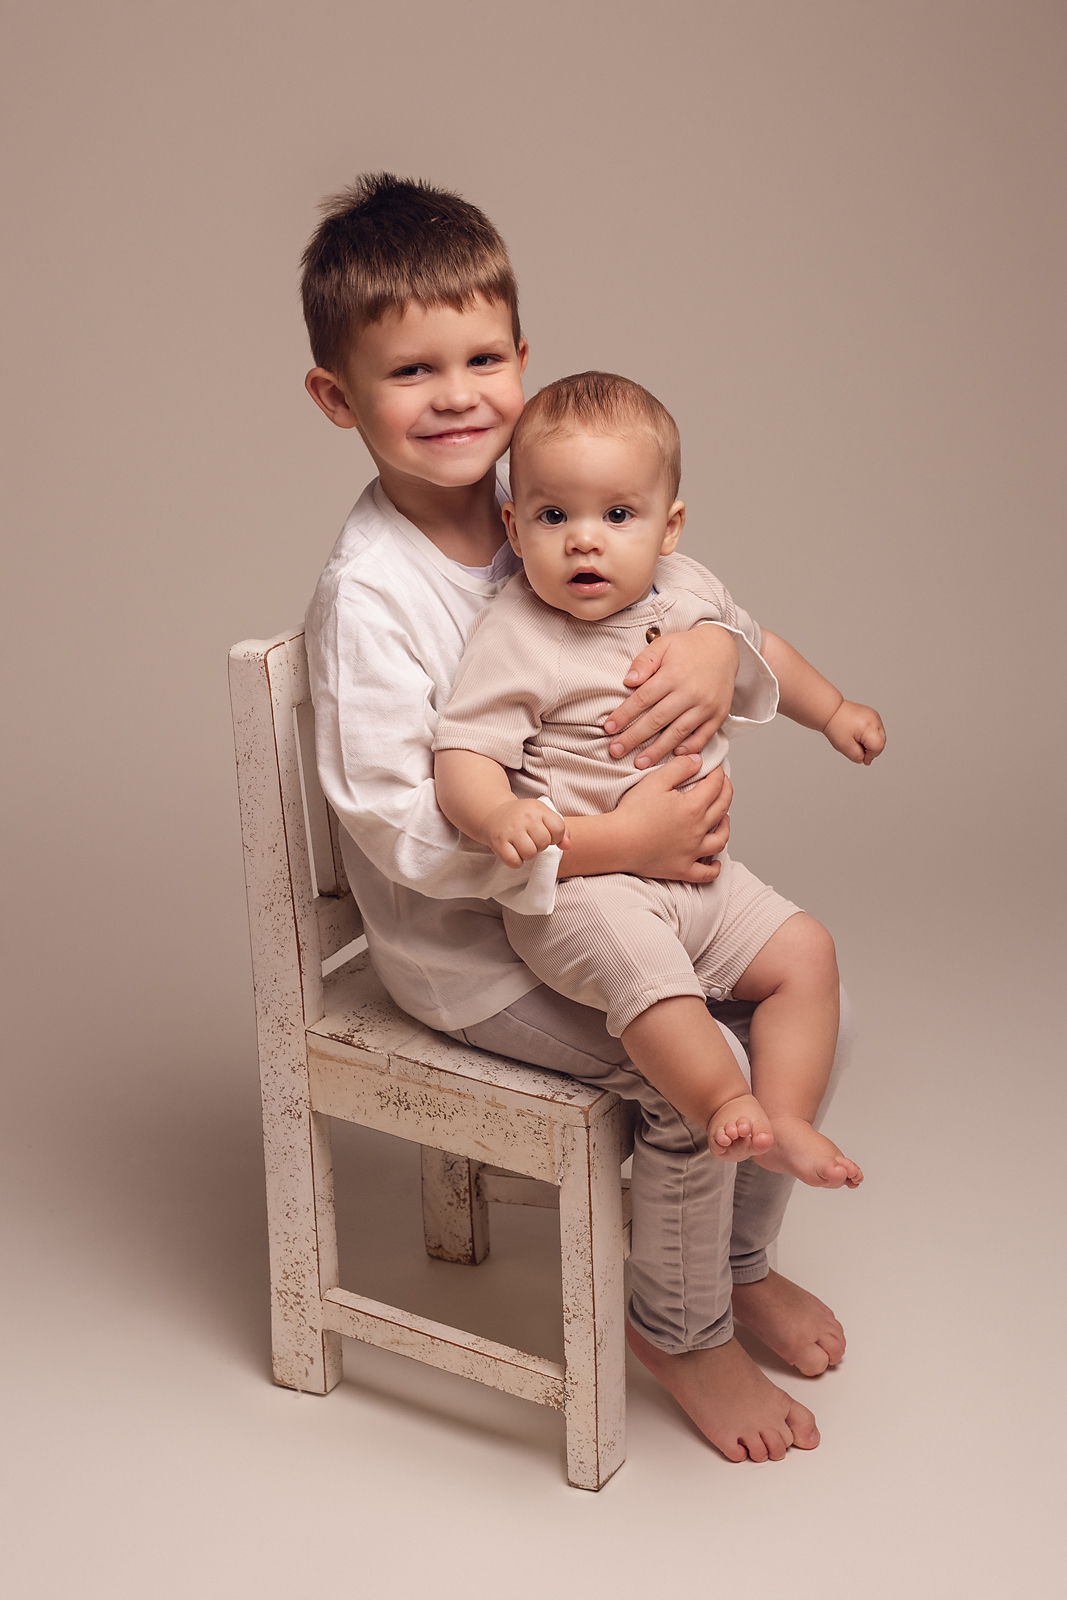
(599, 844)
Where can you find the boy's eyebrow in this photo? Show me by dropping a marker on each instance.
(416, 357)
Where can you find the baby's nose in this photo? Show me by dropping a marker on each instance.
(582, 537)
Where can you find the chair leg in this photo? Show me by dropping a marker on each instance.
(590, 1224)
(303, 1250)
(455, 1214)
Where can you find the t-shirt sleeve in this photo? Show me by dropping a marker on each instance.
(375, 719)
(755, 688)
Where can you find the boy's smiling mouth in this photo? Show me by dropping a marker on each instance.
(454, 436)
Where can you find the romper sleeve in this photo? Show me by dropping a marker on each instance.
(506, 679)
(755, 698)
(376, 714)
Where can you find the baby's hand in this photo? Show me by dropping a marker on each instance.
(856, 731)
(520, 829)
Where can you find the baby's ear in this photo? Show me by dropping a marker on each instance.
(673, 532)
(507, 511)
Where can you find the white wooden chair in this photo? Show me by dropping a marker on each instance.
(490, 1128)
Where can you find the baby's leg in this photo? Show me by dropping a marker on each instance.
(615, 943)
(793, 1033)
(680, 1051)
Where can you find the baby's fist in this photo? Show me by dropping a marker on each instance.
(856, 731)
(520, 829)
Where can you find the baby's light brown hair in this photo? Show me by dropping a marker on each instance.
(599, 402)
(384, 242)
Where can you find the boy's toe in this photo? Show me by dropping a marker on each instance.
(812, 1360)
(802, 1423)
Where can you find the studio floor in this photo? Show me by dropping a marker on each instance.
(149, 1455)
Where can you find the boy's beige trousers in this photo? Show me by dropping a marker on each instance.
(699, 1225)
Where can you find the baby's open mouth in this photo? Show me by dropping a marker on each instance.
(587, 577)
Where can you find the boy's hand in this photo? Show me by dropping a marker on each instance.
(856, 731)
(673, 834)
(518, 830)
(683, 687)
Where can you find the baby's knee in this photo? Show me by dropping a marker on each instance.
(813, 947)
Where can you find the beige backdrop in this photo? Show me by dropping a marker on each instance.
(829, 234)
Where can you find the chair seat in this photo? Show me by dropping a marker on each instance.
(360, 1014)
(369, 1061)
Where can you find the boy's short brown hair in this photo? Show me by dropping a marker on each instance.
(601, 402)
(384, 242)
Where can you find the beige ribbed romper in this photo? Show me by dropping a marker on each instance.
(532, 692)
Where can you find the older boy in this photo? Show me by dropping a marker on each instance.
(595, 465)
(411, 307)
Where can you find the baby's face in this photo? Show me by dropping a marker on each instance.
(591, 516)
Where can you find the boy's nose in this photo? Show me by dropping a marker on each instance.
(455, 394)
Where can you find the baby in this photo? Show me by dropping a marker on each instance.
(595, 468)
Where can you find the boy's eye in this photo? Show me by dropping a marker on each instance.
(553, 517)
(617, 516)
(410, 372)
(483, 361)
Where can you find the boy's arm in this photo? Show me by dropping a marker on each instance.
(805, 696)
(656, 831)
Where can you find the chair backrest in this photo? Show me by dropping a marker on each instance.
(300, 908)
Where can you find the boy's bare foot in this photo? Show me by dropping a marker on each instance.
(739, 1129)
(733, 1403)
(801, 1152)
(791, 1322)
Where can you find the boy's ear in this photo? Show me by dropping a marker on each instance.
(511, 526)
(523, 348)
(328, 395)
(675, 524)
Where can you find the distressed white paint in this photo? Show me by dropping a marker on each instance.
(455, 1209)
(490, 1128)
(509, 1189)
(469, 1355)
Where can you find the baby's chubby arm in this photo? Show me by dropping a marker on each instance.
(807, 697)
(474, 793)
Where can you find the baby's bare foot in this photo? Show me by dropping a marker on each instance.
(801, 1152)
(733, 1403)
(739, 1129)
(791, 1322)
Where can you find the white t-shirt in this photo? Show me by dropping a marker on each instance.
(385, 632)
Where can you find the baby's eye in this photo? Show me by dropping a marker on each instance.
(553, 517)
(617, 516)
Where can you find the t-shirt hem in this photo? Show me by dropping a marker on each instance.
(488, 1004)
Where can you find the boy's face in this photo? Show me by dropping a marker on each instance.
(590, 518)
(435, 393)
